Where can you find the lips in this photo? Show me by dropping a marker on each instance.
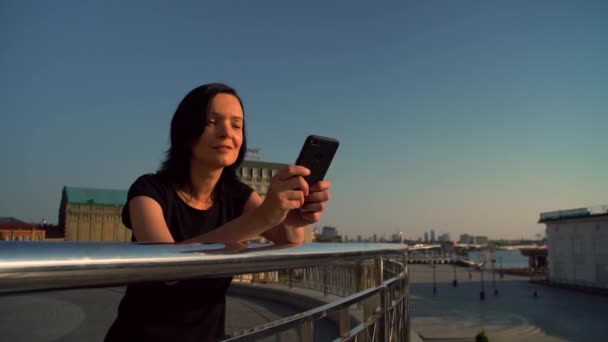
(222, 148)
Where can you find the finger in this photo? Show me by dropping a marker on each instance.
(292, 170)
(293, 183)
(303, 185)
(312, 207)
(320, 186)
(320, 196)
(294, 204)
(311, 217)
(294, 199)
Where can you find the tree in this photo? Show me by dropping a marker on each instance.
(482, 337)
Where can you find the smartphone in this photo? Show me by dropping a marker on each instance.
(316, 155)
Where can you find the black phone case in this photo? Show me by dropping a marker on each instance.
(317, 154)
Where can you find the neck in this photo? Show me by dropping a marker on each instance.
(204, 181)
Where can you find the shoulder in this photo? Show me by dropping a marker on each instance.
(234, 196)
(151, 185)
(241, 190)
(237, 191)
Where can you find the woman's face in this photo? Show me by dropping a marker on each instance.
(222, 137)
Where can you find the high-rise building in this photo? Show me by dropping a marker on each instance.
(426, 237)
(466, 238)
(444, 237)
(433, 235)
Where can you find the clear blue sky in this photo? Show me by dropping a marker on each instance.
(458, 116)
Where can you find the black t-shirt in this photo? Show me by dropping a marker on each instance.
(191, 310)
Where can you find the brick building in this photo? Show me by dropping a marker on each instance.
(17, 230)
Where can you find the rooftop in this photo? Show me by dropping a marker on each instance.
(262, 164)
(77, 195)
(558, 215)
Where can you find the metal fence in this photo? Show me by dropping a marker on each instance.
(373, 277)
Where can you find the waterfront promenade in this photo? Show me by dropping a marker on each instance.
(514, 315)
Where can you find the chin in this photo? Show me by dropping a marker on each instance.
(225, 162)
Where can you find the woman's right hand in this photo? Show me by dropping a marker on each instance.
(288, 190)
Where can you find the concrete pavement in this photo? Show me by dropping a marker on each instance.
(513, 315)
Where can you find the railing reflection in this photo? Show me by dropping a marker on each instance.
(371, 277)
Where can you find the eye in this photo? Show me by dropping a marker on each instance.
(236, 126)
(211, 121)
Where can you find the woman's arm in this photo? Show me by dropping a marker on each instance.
(149, 225)
(287, 191)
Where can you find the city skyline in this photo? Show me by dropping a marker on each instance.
(473, 117)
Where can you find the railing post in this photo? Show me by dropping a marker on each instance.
(406, 290)
(383, 298)
(344, 322)
(306, 335)
(324, 280)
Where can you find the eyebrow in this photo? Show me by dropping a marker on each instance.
(232, 117)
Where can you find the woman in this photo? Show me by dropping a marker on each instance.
(195, 197)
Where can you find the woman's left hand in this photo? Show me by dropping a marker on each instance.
(313, 207)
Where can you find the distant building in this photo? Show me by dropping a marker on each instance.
(398, 238)
(89, 214)
(578, 246)
(257, 174)
(444, 237)
(433, 235)
(426, 237)
(12, 229)
(466, 238)
(480, 240)
(329, 231)
(329, 234)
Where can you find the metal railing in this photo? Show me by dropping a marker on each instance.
(39, 266)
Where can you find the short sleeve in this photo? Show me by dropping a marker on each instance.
(243, 192)
(239, 193)
(147, 185)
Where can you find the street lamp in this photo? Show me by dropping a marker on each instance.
(434, 283)
(482, 294)
(455, 283)
(501, 271)
(494, 277)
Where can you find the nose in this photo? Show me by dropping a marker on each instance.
(224, 129)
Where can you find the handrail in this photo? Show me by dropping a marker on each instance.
(31, 266)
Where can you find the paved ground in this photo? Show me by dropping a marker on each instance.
(85, 315)
(514, 315)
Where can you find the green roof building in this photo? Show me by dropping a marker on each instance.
(90, 214)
